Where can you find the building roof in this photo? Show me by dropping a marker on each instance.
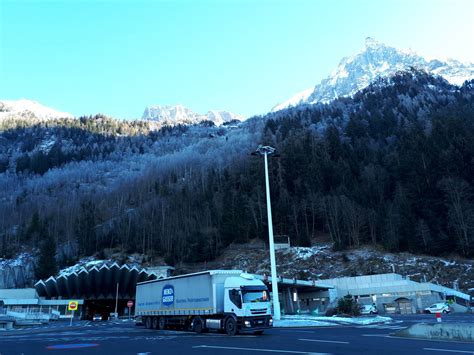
(94, 283)
(18, 293)
(19, 296)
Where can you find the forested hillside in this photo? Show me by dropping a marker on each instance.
(392, 166)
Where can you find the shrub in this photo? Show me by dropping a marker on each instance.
(347, 305)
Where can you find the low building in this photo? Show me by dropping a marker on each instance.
(25, 303)
(394, 293)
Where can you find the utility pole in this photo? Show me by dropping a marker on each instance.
(116, 300)
(266, 151)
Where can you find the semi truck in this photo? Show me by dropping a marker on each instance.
(225, 300)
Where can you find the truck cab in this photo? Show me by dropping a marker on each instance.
(247, 301)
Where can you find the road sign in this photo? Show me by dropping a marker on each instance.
(72, 306)
(129, 305)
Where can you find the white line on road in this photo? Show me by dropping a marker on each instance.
(326, 341)
(255, 349)
(377, 335)
(297, 331)
(449, 351)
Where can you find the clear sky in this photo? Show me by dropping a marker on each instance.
(245, 56)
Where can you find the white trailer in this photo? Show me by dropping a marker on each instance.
(227, 300)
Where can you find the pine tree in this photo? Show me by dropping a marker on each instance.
(47, 265)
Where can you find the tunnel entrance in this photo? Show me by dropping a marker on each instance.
(104, 307)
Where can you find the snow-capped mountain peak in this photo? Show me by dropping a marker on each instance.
(24, 108)
(178, 114)
(372, 43)
(376, 60)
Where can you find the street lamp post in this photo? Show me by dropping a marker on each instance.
(266, 151)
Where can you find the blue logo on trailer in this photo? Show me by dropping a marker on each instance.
(167, 295)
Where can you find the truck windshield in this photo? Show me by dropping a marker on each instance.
(255, 296)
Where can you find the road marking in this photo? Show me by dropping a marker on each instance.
(255, 349)
(71, 346)
(297, 331)
(386, 327)
(326, 341)
(449, 351)
(377, 335)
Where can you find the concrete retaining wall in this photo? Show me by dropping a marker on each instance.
(440, 331)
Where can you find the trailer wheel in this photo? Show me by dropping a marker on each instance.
(155, 323)
(148, 323)
(198, 325)
(161, 323)
(231, 326)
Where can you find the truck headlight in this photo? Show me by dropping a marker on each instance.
(247, 323)
(270, 321)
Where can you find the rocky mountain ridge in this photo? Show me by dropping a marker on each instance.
(376, 60)
(179, 114)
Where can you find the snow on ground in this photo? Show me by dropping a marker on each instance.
(89, 262)
(306, 252)
(21, 260)
(283, 323)
(316, 321)
(85, 262)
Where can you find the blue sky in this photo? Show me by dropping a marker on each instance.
(116, 57)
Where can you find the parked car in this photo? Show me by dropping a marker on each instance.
(113, 316)
(97, 318)
(138, 320)
(368, 309)
(438, 308)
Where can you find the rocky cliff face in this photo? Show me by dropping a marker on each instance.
(17, 273)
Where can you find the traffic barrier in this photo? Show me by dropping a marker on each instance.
(439, 331)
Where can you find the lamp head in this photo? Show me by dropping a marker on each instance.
(266, 149)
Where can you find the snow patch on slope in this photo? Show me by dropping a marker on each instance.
(295, 100)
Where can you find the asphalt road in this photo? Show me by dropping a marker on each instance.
(126, 338)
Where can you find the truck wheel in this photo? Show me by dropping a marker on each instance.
(148, 323)
(198, 325)
(161, 323)
(258, 332)
(231, 326)
(154, 323)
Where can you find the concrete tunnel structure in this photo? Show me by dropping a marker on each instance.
(97, 287)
